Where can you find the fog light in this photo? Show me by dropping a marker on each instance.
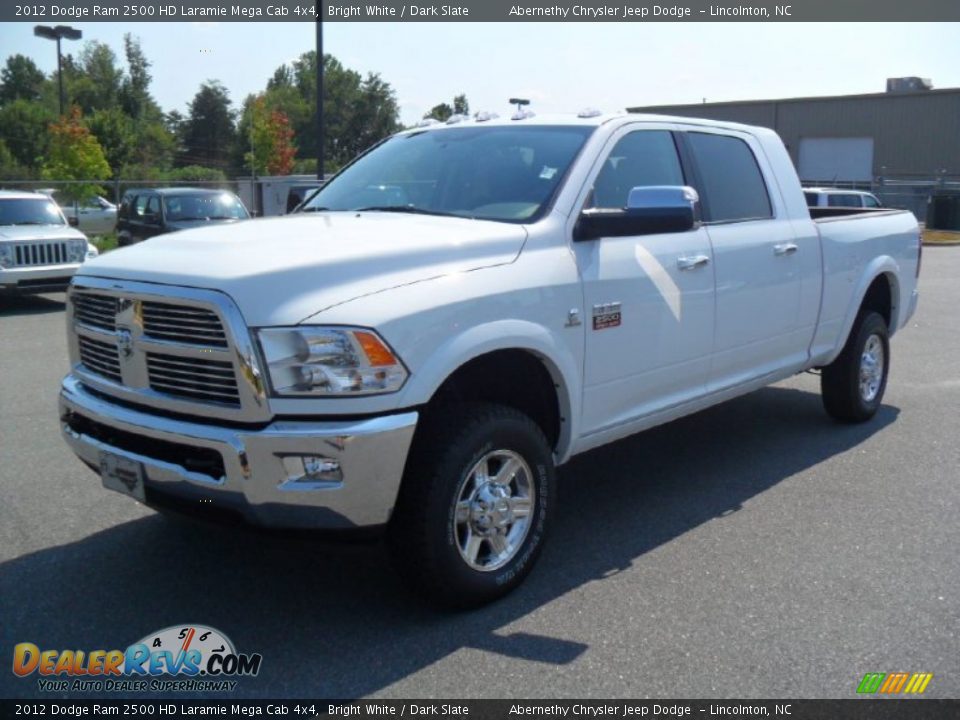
(311, 472)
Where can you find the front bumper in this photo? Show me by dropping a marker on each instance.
(256, 473)
(52, 278)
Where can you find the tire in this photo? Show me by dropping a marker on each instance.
(853, 385)
(461, 542)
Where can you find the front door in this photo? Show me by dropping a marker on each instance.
(649, 300)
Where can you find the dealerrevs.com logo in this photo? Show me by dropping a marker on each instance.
(198, 657)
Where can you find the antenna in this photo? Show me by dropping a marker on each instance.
(519, 102)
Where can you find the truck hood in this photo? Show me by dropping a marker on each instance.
(39, 232)
(280, 271)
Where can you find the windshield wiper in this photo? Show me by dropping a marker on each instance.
(313, 209)
(32, 222)
(405, 209)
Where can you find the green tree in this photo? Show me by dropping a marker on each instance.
(441, 112)
(358, 111)
(10, 169)
(20, 79)
(135, 95)
(94, 82)
(445, 111)
(209, 133)
(75, 154)
(23, 128)
(116, 133)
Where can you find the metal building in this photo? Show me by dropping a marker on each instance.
(900, 144)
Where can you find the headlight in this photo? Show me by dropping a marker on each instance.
(330, 361)
(76, 251)
(6, 255)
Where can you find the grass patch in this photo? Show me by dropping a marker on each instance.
(105, 243)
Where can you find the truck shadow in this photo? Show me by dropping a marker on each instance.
(334, 621)
(32, 304)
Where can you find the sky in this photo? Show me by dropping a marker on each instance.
(561, 67)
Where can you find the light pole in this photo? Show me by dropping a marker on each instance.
(58, 33)
(320, 128)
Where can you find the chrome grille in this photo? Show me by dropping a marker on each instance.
(39, 253)
(95, 310)
(182, 324)
(100, 358)
(193, 379)
(184, 350)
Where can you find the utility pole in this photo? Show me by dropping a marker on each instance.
(58, 33)
(320, 125)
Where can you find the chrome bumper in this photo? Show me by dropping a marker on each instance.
(262, 472)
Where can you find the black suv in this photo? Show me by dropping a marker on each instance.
(146, 213)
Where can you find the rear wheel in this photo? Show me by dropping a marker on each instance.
(854, 383)
(475, 503)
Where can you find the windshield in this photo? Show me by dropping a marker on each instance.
(495, 173)
(29, 211)
(223, 206)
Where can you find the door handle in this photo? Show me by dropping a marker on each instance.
(785, 249)
(691, 262)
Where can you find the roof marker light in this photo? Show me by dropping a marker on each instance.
(485, 115)
(523, 115)
(427, 122)
(454, 119)
(589, 113)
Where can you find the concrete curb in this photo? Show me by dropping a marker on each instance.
(941, 237)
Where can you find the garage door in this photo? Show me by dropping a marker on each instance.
(833, 159)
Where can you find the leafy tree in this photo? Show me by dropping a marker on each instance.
(271, 138)
(282, 78)
(209, 133)
(444, 111)
(23, 128)
(441, 112)
(75, 154)
(194, 173)
(94, 82)
(135, 95)
(358, 111)
(117, 134)
(10, 169)
(20, 79)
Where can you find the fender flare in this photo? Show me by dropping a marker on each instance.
(882, 265)
(511, 334)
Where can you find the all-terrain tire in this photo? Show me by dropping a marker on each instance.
(852, 385)
(444, 507)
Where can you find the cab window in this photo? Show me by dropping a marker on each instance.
(641, 159)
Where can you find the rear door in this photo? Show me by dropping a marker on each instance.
(648, 299)
(759, 262)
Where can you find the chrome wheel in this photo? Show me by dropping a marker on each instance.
(871, 368)
(493, 510)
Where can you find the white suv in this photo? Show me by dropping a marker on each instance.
(39, 251)
(834, 197)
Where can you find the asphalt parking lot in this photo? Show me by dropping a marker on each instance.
(753, 550)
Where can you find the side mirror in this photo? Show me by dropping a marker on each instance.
(73, 221)
(649, 211)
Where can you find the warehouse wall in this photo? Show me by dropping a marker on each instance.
(915, 134)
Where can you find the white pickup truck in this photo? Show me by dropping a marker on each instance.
(462, 309)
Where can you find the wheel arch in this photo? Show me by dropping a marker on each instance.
(535, 355)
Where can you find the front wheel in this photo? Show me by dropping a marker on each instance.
(473, 511)
(854, 383)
